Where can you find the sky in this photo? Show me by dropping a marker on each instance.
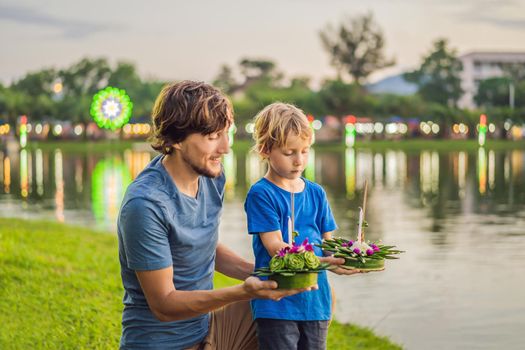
(174, 40)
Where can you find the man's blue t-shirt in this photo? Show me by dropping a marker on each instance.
(159, 227)
(268, 209)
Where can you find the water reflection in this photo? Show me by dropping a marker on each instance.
(255, 168)
(482, 170)
(7, 174)
(109, 181)
(460, 216)
(230, 171)
(350, 172)
(429, 173)
(59, 186)
(39, 172)
(309, 171)
(429, 178)
(24, 180)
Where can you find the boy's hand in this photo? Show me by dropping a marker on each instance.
(340, 270)
(258, 289)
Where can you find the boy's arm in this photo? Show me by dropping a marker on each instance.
(273, 241)
(169, 304)
(327, 235)
(229, 263)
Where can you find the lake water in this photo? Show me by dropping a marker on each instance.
(459, 215)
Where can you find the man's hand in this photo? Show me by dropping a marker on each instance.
(257, 289)
(341, 270)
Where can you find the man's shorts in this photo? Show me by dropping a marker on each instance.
(231, 328)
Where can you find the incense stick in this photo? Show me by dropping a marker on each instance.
(364, 209)
(293, 217)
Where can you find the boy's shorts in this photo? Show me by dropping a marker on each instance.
(231, 327)
(284, 334)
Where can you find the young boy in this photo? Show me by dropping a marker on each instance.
(283, 137)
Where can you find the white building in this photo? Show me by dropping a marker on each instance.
(478, 66)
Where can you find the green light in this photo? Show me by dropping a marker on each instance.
(111, 108)
(482, 129)
(350, 133)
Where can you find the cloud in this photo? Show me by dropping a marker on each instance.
(70, 29)
(498, 13)
(502, 22)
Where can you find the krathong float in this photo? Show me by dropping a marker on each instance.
(360, 254)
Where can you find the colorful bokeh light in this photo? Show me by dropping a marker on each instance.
(111, 108)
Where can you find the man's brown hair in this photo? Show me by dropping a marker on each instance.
(185, 108)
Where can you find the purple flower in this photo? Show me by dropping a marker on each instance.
(283, 251)
(307, 246)
(374, 247)
(347, 244)
(357, 251)
(295, 249)
(369, 251)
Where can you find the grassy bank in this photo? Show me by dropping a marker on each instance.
(82, 146)
(60, 289)
(417, 145)
(242, 146)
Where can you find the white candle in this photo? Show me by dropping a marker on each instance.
(360, 227)
(290, 229)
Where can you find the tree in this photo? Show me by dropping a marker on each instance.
(340, 98)
(125, 76)
(36, 83)
(258, 72)
(438, 76)
(225, 80)
(356, 47)
(85, 77)
(493, 92)
(516, 75)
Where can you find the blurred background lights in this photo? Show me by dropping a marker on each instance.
(57, 87)
(250, 127)
(317, 124)
(57, 129)
(78, 130)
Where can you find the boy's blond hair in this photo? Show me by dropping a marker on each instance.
(275, 122)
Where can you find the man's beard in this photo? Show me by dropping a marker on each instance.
(199, 170)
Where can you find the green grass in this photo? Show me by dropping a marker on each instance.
(82, 146)
(417, 145)
(60, 288)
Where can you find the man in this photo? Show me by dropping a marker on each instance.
(168, 234)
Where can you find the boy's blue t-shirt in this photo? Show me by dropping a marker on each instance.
(159, 227)
(268, 208)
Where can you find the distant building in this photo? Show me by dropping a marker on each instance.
(394, 84)
(478, 66)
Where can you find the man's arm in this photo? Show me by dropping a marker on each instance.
(169, 304)
(230, 264)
